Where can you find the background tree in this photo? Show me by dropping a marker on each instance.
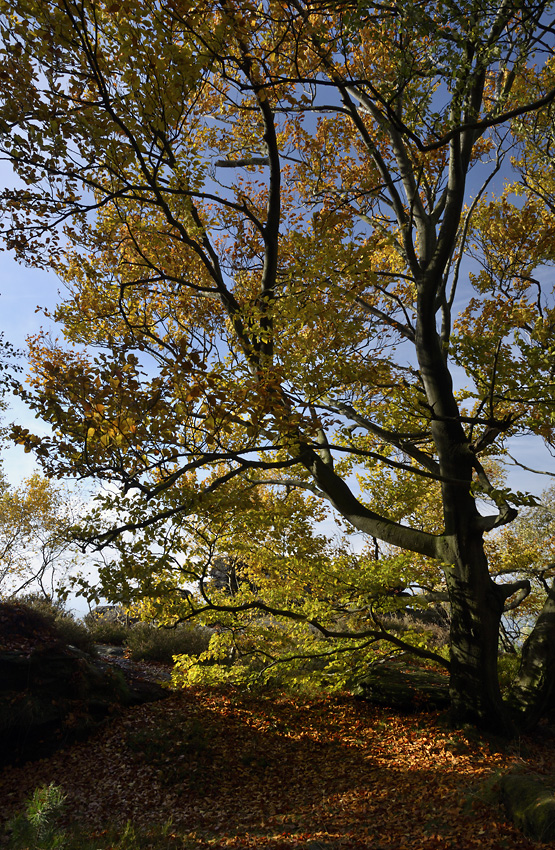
(526, 549)
(37, 551)
(268, 208)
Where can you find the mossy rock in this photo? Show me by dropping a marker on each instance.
(404, 687)
(531, 805)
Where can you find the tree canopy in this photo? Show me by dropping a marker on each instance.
(287, 270)
(37, 551)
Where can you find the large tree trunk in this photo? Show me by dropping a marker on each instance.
(476, 608)
(534, 690)
(476, 601)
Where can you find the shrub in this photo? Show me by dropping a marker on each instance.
(50, 608)
(68, 628)
(106, 631)
(75, 633)
(507, 665)
(149, 643)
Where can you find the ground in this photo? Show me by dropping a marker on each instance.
(224, 769)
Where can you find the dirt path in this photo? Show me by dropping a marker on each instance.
(150, 671)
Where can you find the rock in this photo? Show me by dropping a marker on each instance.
(402, 687)
(229, 573)
(530, 804)
(110, 651)
(52, 693)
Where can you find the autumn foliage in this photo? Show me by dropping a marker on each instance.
(294, 277)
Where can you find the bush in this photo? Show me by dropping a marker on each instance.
(106, 631)
(75, 633)
(149, 643)
(68, 628)
(51, 609)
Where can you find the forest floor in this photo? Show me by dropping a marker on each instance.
(225, 769)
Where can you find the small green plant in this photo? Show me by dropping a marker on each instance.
(128, 839)
(116, 837)
(38, 826)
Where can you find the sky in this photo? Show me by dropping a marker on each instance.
(21, 291)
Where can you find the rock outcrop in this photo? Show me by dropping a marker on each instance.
(112, 614)
(404, 687)
(531, 805)
(52, 693)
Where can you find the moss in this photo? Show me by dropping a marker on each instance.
(530, 804)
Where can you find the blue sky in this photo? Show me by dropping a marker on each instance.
(21, 291)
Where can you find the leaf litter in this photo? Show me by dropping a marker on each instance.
(235, 770)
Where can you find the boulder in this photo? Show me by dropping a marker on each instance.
(229, 573)
(531, 805)
(52, 693)
(404, 687)
(112, 614)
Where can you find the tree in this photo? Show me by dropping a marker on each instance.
(36, 545)
(264, 214)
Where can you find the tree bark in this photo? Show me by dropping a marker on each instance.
(476, 609)
(476, 601)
